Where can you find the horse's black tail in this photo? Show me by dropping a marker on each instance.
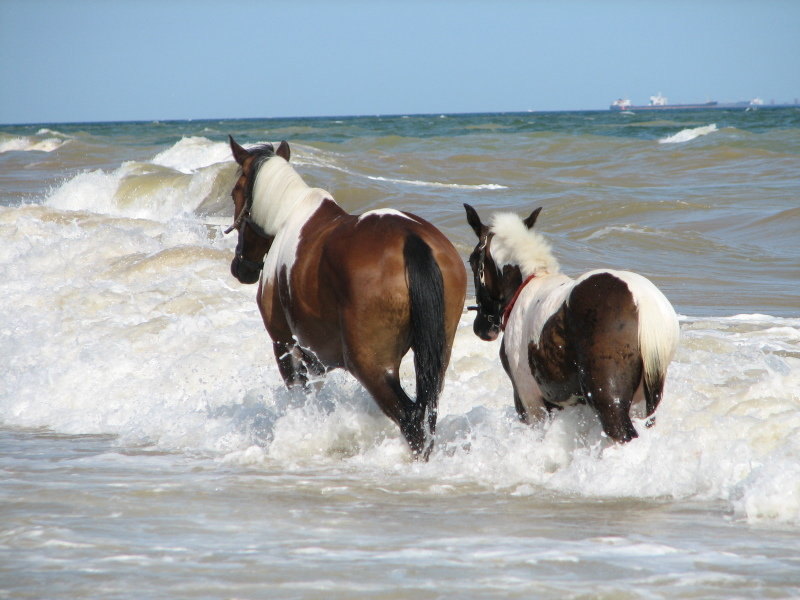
(426, 292)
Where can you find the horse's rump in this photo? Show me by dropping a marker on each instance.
(620, 327)
(658, 333)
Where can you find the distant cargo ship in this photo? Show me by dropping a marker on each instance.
(659, 102)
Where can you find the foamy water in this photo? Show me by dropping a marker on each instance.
(149, 444)
(687, 135)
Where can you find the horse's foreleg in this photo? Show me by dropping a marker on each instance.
(313, 369)
(522, 412)
(296, 364)
(289, 364)
(531, 410)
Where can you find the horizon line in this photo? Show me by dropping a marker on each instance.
(723, 106)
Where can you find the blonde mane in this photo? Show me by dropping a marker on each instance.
(515, 244)
(280, 193)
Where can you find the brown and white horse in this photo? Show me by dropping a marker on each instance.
(605, 338)
(346, 291)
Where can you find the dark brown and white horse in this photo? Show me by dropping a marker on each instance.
(605, 338)
(347, 291)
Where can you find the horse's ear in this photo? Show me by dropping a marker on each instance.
(239, 153)
(474, 221)
(283, 150)
(529, 222)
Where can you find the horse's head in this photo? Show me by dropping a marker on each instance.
(495, 285)
(253, 242)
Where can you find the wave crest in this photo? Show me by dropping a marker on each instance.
(687, 135)
(193, 153)
(32, 144)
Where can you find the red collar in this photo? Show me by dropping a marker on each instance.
(513, 301)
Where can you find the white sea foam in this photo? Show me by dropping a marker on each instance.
(687, 135)
(193, 175)
(617, 230)
(148, 190)
(31, 144)
(315, 158)
(193, 153)
(119, 315)
(439, 184)
(136, 328)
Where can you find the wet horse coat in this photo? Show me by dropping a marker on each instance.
(605, 338)
(346, 291)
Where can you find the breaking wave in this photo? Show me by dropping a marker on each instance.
(687, 135)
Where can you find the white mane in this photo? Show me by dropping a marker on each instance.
(280, 193)
(515, 244)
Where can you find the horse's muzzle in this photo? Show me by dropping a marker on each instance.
(245, 271)
(484, 327)
(487, 335)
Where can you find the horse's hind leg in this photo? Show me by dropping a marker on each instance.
(383, 384)
(373, 351)
(603, 322)
(377, 367)
(417, 423)
(610, 389)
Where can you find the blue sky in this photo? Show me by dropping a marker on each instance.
(107, 60)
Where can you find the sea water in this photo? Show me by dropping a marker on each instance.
(148, 448)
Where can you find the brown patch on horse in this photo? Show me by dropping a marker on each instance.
(590, 349)
(552, 361)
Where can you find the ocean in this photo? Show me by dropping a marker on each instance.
(148, 447)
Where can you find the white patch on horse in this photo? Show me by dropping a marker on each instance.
(282, 203)
(278, 193)
(538, 301)
(515, 244)
(383, 212)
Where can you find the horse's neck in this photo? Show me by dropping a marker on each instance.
(281, 195)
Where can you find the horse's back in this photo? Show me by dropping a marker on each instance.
(367, 253)
(363, 256)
